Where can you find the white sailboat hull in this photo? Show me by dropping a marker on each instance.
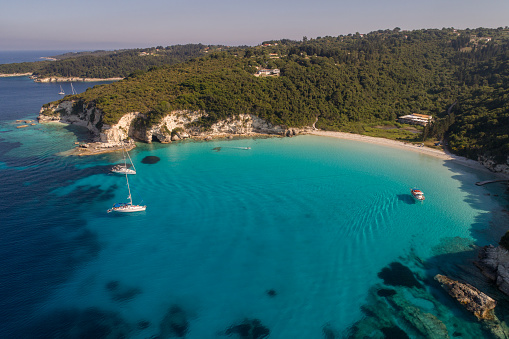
(128, 209)
(123, 170)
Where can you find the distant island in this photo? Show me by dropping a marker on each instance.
(357, 83)
(105, 65)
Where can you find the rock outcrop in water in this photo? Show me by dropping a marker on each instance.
(475, 301)
(480, 304)
(494, 264)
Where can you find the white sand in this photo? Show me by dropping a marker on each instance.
(408, 146)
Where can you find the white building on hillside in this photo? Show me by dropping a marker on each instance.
(416, 119)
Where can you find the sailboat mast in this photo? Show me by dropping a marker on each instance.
(126, 179)
(129, 189)
(131, 160)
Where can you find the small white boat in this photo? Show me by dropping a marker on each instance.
(61, 91)
(123, 169)
(73, 91)
(417, 194)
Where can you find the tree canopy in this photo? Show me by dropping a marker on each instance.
(459, 77)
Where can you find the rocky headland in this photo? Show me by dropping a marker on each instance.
(175, 126)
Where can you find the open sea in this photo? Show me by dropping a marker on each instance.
(9, 57)
(305, 237)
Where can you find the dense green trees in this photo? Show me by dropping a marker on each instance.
(102, 64)
(347, 82)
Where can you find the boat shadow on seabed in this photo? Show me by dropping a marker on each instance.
(407, 199)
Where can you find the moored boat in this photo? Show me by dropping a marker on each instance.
(417, 194)
(123, 169)
(127, 206)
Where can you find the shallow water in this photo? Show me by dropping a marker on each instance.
(313, 219)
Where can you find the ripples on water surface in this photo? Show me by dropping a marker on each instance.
(292, 232)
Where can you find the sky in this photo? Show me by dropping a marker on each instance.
(107, 24)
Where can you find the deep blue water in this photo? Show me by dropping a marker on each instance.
(296, 233)
(9, 57)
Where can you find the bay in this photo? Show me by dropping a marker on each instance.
(293, 232)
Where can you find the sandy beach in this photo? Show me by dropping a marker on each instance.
(408, 146)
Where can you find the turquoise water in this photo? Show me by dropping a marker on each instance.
(311, 219)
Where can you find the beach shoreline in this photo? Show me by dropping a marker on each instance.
(441, 154)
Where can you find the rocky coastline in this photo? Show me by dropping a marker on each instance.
(15, 75)
(173, 127)
(36, 78)
(176, 126)
(494, 265)
(71, 79)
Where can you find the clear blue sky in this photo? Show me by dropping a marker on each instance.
(107, 24)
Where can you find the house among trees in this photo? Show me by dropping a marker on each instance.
(264, 72)
(415, 119)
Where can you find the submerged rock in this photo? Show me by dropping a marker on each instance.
(474, 300)
(249, 329)
(426, 324)
(271, 292)
(394, 332)
(174, 324)
(120, 292)
(385, 292)
(393, 315)
(329, 332)
(143, 324)
(73, 323)
(399, 275)
(150, 159)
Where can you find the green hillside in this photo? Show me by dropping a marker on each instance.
(350, 83)
(109, 64)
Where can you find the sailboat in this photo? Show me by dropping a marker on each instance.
(61, 91)
(122, 169)
(125, 207)
(73, 91)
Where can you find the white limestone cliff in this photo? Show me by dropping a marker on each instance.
(174, 126)
(72, 112)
